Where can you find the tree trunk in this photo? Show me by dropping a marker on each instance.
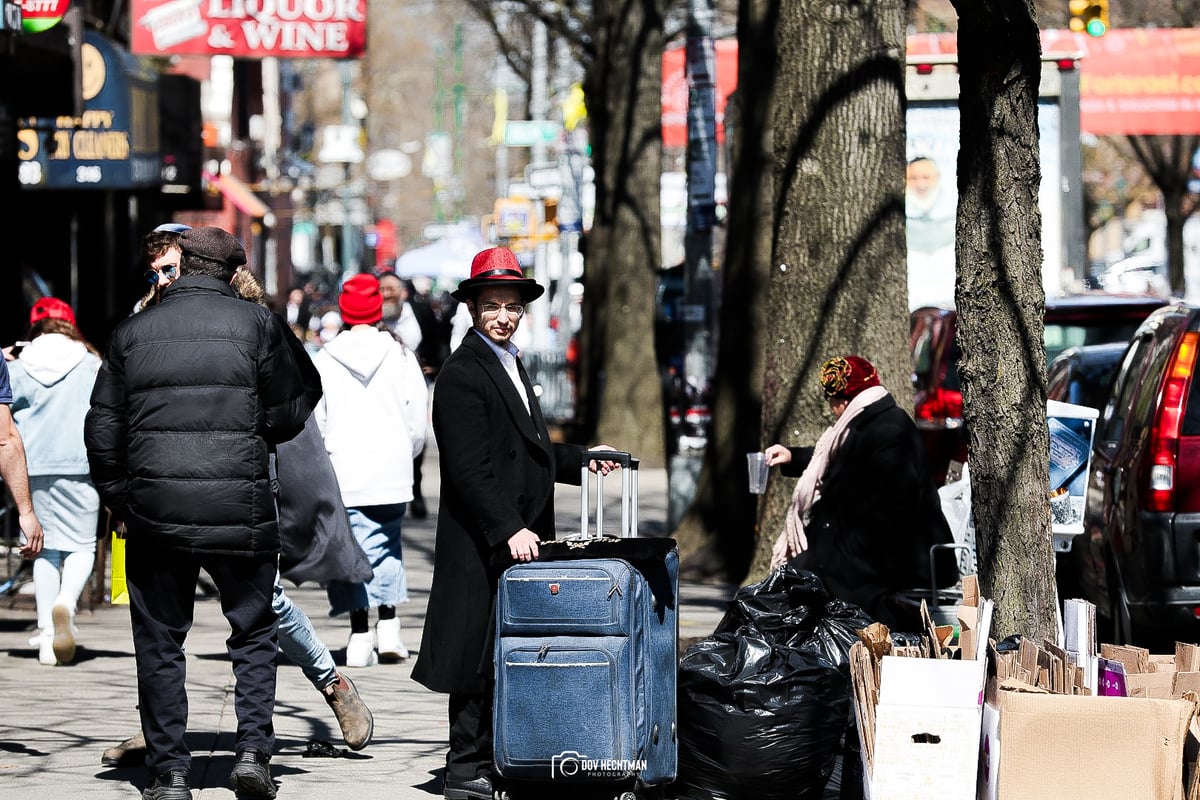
(624, 91)
(838, 280)
(1168, 162)
(1000, 304)
(716, 535)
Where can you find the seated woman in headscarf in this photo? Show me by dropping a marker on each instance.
(865, 511)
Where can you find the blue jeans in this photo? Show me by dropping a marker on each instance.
(377, 529)
(299, 642)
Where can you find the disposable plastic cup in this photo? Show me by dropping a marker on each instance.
(757, 463)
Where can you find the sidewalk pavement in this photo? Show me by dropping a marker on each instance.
(56, 721)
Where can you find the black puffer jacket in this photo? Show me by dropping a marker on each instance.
(191, 398)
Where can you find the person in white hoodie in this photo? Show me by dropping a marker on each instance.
(52, 383)
(373, 419)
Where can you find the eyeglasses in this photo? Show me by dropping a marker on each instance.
(152, 275)
(492, 310)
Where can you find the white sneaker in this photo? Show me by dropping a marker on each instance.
(387, 634)
(360, 650)
(45, 646)
(63, 643)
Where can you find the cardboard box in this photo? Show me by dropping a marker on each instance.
(1073, 747)
(927, 724)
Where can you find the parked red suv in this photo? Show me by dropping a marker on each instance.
(1139, 558)
(1084, 319)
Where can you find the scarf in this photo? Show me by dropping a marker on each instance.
(792, 540)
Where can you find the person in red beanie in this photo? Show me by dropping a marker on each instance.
(865, 511)
(373, 419)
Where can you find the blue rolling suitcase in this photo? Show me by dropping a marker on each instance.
(586, 657)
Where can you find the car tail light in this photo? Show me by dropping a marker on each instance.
(941, 405)
(1164, 439)
(698, 415)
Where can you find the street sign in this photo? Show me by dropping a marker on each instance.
(528, 132)
(544, 177)
(339, 145)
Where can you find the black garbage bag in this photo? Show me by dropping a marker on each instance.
(757, 720)
(764, 702)
(792, 607)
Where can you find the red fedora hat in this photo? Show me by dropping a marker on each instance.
(497, 266)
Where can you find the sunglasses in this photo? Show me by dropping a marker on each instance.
(152, 275)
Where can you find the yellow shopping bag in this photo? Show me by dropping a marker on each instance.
(119, 592)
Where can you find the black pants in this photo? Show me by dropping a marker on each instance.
(162, 597)
(470, 754)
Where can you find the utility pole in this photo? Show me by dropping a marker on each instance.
(698, 312)
(347, 218)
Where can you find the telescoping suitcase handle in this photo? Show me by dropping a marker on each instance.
(629, 492)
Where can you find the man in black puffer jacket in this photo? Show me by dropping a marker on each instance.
(190, 401)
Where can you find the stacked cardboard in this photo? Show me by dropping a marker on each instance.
(918, 709)
(962, 721)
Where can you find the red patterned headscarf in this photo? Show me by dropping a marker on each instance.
(846, 376)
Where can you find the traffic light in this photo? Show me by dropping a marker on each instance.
(1089, 16)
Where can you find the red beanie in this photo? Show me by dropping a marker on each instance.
(360, 302)
(846, 376)
(51, 308)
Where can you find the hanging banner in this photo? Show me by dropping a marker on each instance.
(250, 28)
(675, 90)
(1131, 80)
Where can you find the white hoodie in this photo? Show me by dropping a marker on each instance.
(372, 414)
(52, 387)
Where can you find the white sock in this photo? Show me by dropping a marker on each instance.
(77, 569)
(45, 586)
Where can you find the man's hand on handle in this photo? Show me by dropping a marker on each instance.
(603, 467)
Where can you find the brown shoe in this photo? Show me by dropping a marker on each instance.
(127, 753)
(353, 716)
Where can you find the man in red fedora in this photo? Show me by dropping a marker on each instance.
(498, 469)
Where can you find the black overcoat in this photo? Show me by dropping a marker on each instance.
(498, 469)
(870, 532)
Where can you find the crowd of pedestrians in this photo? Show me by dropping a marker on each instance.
(236, 447)
(239, 446)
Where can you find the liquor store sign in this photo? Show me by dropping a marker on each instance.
(250, 28)
(113, 144)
